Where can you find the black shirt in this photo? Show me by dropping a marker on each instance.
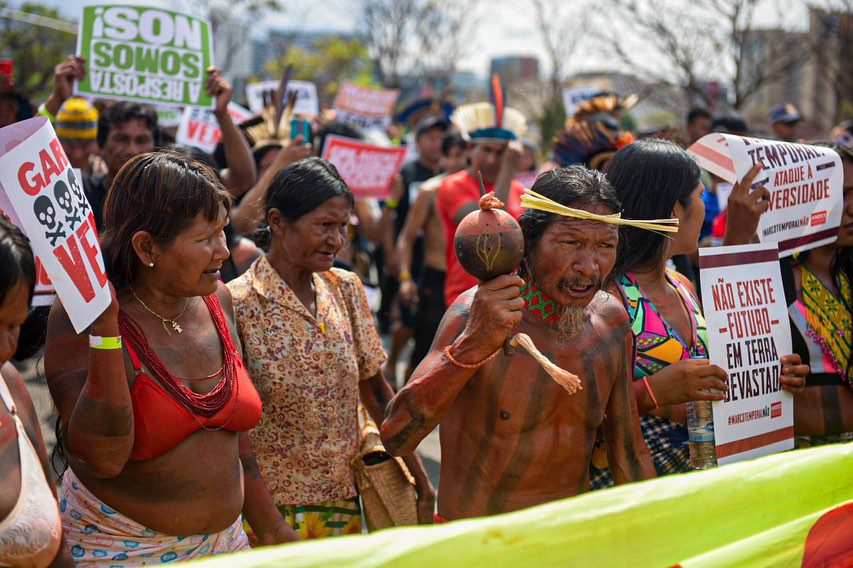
(96, 192)
(414, 174)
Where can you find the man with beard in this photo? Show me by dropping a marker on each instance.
(511, 437)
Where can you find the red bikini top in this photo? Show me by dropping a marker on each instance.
(160, 422)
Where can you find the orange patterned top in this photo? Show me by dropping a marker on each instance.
(306, 370)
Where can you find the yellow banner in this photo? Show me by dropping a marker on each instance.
(756, 513)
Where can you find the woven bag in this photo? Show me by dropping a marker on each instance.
(387, 489)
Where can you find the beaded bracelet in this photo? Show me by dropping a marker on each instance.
(466, 365)
(651, 394)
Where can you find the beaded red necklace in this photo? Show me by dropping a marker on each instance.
(204, 404)
(536, 301)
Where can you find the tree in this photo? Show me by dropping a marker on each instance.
(35, 49)
(705, 39)
(332, 61)
(444, 37)
(426, 37)
(386, 26)
(230, 22)
(561, 29)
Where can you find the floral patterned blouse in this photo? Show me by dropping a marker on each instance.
(307, 371)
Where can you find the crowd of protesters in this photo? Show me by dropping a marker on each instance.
(216, 403)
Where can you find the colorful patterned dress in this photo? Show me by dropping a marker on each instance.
(657, 345)
(307, 368)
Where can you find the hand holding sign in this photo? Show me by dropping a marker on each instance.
(745, 207)
(219, 88)
(64, 75)
(794, 373)
(687, 380)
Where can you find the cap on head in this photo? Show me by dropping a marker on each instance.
(431, 122)
(785, 113)
(77, 120)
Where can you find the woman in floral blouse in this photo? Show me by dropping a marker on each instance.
(313, 351)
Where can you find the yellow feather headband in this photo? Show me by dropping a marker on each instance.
(532, 200)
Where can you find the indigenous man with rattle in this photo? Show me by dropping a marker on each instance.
(511, 435)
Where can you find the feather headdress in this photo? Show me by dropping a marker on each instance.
(590, 141)
(490, 121)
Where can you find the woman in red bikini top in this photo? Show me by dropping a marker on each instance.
(154, 433)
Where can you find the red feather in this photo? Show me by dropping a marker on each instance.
(498, 99)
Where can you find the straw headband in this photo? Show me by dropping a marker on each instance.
(532, 200)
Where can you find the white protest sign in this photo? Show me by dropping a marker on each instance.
(573, 98)
(367, 169)
(199, 127)
(748, 332)
(805, 184)
(307, 103)
(144, 51)
(48, 201)
(168, 116)
(365, 108)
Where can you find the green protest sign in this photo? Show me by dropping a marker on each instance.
(144, 53)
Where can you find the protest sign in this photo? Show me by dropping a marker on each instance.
(142, 52)
(805, 184)
(573, 98)
(168, 116)
(307, 103)
(367, 169)
(44, 195)
(365, 108)
(748, 332)
(200, 128)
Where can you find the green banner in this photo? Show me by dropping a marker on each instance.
(788, 509)
(144, 53)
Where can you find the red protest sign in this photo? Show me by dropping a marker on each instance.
(365, 107)
(367, 169)
(48, 201)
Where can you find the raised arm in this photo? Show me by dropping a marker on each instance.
(241, 166)
(474, 327)
(509, 166)
(91, 391)
(72, 69)
(627, 453)
(250, 210)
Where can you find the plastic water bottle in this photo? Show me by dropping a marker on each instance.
(700, 433)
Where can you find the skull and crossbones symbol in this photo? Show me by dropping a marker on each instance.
(79, 195)
(66, 203)
(46, 215)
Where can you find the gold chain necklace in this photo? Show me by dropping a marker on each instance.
(173, 322)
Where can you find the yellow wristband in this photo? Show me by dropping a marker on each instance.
(404, 276)
(104, 343)
(391, 203)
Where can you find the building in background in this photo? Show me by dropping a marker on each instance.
(514, 68)
(819, 79)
